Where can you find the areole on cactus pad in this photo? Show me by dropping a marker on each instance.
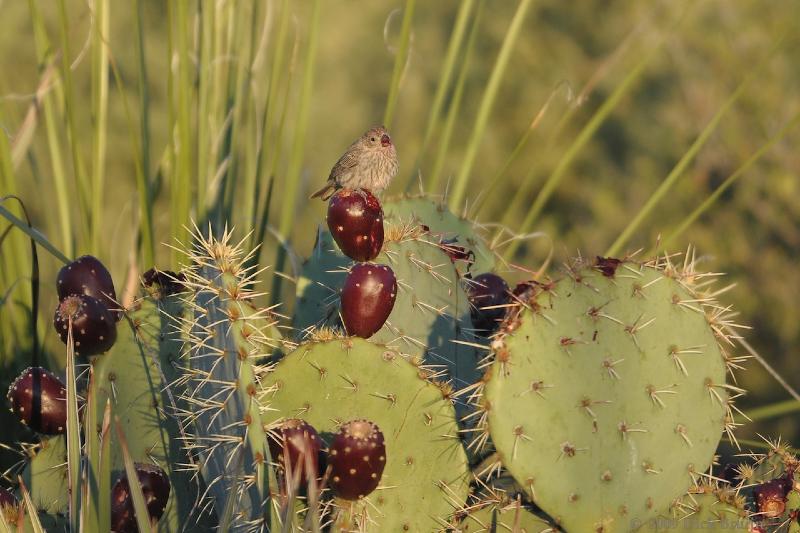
(607, 395)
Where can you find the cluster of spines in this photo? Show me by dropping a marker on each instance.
(226, 338)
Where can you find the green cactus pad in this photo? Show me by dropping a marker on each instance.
(327, 383)
(46, 476)
(703, 509)
(134, 376)
(430, 320)
(607, 395)
(444, 224)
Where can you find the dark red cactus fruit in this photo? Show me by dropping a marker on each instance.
(356, 459)
(771, 497)
(155, 488)
(165, 282)
(93, 327)
(301, 442)
(367, 298)
(87, 275)
(486, 292)
(355, 219)
(39, 399)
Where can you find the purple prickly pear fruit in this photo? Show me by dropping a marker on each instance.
(39, 399)
(301, 442)
(356, 459)
(93, 327)
(367, 298)
(355, 220)
(155, 488)
(486, 293)
(771, 497)
(87, 275)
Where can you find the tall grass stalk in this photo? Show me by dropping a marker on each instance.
(292, 181)
(724, 186)
(588, 131)
(100, 23)
(485, 107)
(147, 248)
(683, 163)
(454, 110)
(445, 79)
(400, 61)
(70, 107)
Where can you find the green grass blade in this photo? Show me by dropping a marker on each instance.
(724, 186)
(36, 525)
(453, 112)
(182, 187)
(485, 107)
(73, 435)
(400, 61)
(683, 163)
(70, 105)
(292, 180)
(34, 234)
(773, 410)
(45, 57)
(143, 160)
(99, 115)
(139, 505)
(90, 509)
(104, 471)
(578, 144)
(445, 78)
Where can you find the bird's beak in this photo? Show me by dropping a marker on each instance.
(385, 140)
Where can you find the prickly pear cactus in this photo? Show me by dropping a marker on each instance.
(704, 508)
(607, 394)
(328, 383)
(444, 225)
(227, 336)
(430, 320)
(134, 376)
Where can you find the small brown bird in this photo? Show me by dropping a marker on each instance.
(369, 163)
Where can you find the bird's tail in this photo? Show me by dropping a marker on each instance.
(324, 193)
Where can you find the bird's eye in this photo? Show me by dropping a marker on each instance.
(372, 139)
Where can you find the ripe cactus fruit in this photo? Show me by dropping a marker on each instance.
(297, 442)
(426, 473)
(771, 497)
(355, 219)
(368, 297)
(87, 275)
(93, 327)
(488, 296)
(607, 393)
(430, 319)
(163, 283)
(39, 399)
(356, 457)
(155, 488)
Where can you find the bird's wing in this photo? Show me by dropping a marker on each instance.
(346, 162)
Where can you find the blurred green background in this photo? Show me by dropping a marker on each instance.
(569, 57)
